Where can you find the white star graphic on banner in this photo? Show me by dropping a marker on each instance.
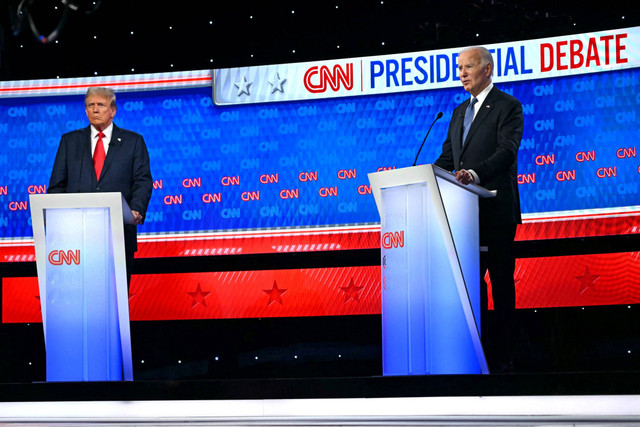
(277, 84)
(243, 86)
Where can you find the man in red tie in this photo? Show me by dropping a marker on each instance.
(105, 158)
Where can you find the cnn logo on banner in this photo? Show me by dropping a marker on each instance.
(58, 257)
(316, 79)
(393, 239)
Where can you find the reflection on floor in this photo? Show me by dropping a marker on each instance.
(581, 339)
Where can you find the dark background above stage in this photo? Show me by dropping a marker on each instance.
(109, 37)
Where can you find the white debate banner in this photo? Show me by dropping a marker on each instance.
(514, 61)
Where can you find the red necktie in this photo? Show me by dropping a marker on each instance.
(98, 156)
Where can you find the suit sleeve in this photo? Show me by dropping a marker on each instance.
(60, 171)
(141, 180)
(509, 135)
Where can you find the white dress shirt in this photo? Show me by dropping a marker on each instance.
(105, 140)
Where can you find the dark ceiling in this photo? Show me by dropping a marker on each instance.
(134, 36)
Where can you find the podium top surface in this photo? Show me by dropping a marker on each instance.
(417, 174)
(82, 200)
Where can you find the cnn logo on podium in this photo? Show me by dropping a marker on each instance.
(61, 257)
(393, 239)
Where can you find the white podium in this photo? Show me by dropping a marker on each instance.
(430, 272)
(80, 258)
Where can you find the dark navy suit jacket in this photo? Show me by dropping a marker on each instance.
(491, 150)
(126, 170)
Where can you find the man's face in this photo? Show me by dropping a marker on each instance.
(473, 75)
(99, 112)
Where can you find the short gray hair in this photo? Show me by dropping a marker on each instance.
(107, 92)
(485, 55)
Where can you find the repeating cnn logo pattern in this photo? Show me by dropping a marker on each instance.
(267, 165)
(59, 257)
(317, 78)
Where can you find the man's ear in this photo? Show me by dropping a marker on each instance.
(489, 69)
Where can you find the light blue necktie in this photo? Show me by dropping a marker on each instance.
(468, 118)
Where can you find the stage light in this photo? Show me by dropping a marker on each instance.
(86, 6)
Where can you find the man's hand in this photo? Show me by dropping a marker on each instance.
(137, 218)
(464, 177)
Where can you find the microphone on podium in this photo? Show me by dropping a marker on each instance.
(438, 116)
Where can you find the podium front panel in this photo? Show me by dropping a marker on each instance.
(83, 340)
(462, 212)
(449, 328)
(430, 273)
(405, 347)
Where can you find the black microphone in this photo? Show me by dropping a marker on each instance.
(438, 116)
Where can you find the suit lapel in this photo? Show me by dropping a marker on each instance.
(87, 158)
(485, 109)
(86, 146)
(114, 146)
(456, 138)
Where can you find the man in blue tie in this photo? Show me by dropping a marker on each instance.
(482, 147)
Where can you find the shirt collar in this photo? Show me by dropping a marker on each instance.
(107, 132)
(483, 95)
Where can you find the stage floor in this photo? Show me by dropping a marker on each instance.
(611, 398)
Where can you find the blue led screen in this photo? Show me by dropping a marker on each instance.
(305, 163)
